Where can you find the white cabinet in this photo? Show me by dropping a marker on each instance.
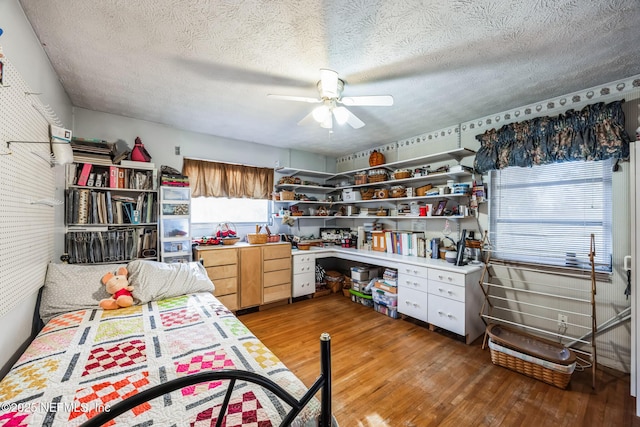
(442, 298)
(412, 291)
(175, 224)
(454, 302)
(304, 274)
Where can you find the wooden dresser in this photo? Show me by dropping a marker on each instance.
(248, 275)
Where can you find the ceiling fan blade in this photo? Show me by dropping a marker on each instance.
(369, 101)
(295, 98)
(307, 120)
(328, 83)
(343, 115)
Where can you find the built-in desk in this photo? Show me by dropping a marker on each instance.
(432, 290)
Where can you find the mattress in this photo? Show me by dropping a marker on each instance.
(83, 362)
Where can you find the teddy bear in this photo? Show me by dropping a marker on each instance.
(118, 286)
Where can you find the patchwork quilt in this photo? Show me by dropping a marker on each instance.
(83, 362)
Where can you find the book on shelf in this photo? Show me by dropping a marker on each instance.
(137, 165)
(84, 174)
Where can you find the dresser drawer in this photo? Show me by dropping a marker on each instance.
(273, 278)
(413, 303)
(226, 286)
(447, 290)
(222, 272)
(304, 284)
(447, 277)
(213, 257)
(230, 301)
(303, 259)
(413, 282)
(447, 314)
(304, 267)
(276, 251)
(276, 264)
(413, 270)
(276, 293)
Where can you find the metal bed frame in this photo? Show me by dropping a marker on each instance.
(323, 383)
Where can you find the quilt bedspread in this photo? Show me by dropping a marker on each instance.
(85, 361)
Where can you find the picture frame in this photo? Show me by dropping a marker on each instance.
(440, 208)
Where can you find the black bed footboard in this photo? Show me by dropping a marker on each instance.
(322, 382)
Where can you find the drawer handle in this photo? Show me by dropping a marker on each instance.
(415, 305)
(440, 290)
(416, 284)
(440, 277)
(450, 292)
(415, 271)
(450, 316)
(450, 278)
(441, 313)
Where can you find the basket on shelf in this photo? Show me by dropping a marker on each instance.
(230, 240)
(376, 158)
(257, 238)
(377, 175)
(287, 195)
(381, 193)
(367, 193)
(401, 174)
(398, 191)
(360, 178)
(422, 191)
(275, 195)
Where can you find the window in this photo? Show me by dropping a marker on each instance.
(223, 209)
(546, 214)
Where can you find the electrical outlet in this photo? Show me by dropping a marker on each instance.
(562, 319)
(177, 150)
(277, 163)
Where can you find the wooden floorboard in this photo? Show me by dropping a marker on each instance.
(394, 372)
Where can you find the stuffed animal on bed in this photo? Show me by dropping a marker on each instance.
(118, 286)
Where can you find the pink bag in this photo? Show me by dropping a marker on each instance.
(139, 153)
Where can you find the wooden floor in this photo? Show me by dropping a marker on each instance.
(389, 372)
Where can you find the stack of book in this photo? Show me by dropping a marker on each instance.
(174, 180)
(97, 151)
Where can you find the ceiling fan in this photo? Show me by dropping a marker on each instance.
(330, 88)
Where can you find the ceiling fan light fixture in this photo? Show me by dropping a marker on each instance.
(320, 113)
(341, 114)
(328, 83)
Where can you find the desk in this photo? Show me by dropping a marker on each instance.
(432, 290)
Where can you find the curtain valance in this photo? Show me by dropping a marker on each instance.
(217, 179)
(594, 133)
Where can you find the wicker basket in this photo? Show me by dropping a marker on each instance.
(500, 357)
(422, 191)
(397, 192)
(381, 193)
(367, 193)
(230, 240)
(360, 178)
(287, 195)
(257, 239)
(527, 354)
(401, 174)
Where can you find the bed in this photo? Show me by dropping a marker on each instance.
(177, 357)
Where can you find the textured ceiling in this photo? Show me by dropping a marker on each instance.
(208, 65)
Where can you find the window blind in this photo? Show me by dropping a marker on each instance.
(546, 214)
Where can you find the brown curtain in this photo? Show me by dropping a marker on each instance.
(216, 179)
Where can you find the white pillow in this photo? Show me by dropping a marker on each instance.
(154, 281)
(71, 287)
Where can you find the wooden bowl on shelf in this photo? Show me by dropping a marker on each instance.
(230, 240)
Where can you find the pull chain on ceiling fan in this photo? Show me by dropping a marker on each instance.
(330, 88)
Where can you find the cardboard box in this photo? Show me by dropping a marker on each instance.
(364, 273)
(386, 287)
(350, 195)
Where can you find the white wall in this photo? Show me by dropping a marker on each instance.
(22, 48)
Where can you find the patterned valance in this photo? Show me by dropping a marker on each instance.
(594, 133)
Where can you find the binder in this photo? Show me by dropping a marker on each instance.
(121, 178)
(109, 208)
(84, 174)
(113, 176)
(83, 207)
